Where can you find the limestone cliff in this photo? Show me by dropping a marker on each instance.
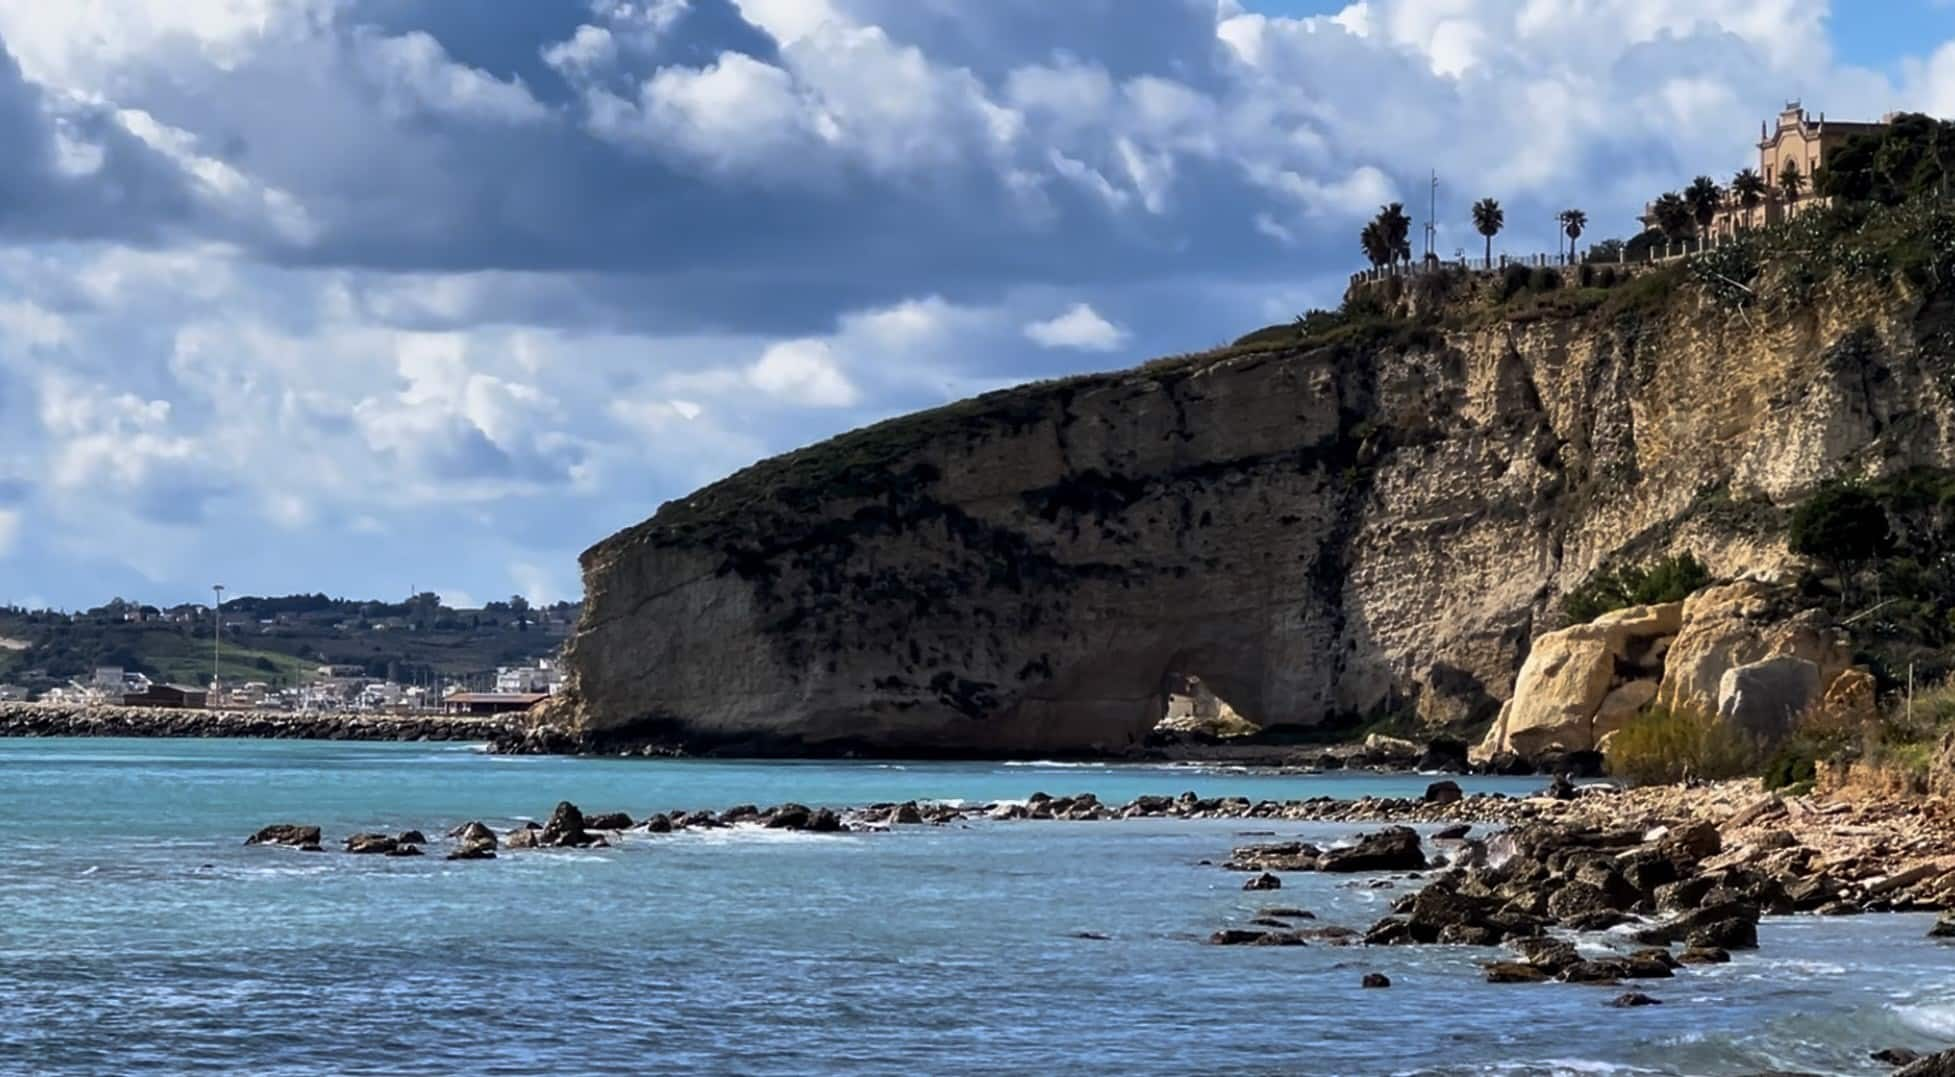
(1378, 518)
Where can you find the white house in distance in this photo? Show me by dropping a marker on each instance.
(543, 677)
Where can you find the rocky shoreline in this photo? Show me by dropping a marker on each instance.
(56, 720)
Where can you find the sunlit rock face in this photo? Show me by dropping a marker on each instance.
(1315, 530)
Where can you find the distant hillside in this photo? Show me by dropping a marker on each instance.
(282, 641)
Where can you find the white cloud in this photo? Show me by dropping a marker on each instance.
(418, 74)
(9, 530)
(1080, 328)
(803, 372)
(591, 47)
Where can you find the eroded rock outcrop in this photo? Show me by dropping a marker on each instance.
(1377, 522)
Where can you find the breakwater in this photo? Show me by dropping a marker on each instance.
(63, 720)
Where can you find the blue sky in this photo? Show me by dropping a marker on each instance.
(367, 296)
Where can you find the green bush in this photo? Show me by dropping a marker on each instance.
(1661, 746)
(1794, 764)
(1670, 580)
(1544, 280)
(1513, 281)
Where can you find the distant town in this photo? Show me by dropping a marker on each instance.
(291, 654)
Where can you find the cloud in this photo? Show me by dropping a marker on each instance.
(803, 372)
(375, 275)
(1080, 328)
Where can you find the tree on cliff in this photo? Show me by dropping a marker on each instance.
(1572, 223)
(1672, 216)
(1748, 187)
(1387, 240)
(1704, 199)
(1792, 182)
(1376, 250)
(1488, 220)
(1843, 525)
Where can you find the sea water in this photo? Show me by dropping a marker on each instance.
(138, 934)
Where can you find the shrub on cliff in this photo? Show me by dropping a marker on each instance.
(1662, 746)
(1670, 580)
(1844, 525)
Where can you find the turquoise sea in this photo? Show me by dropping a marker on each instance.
(138, 934)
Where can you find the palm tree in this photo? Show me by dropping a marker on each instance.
(1396, 228)
(1488, 220)
(1572, 223)
(1791, 181)
(1372, 239)
(1748, 187)
(1673, 216)
(1703, 198)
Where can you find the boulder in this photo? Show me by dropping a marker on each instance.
(659, 824)
(907, 813)
(1633, 999)
(371, 843)
(1446, 792)
(1944, 927)
(473, 831)
(565, 828)
(521, 838)
(1594, 972)
(475, 848)
(1516, 972)
(1704, 955)
(824, 821)
(1456, 832)
(1764, 699)
(1895, 1056)
(1393, 849)
(1624, 702)
(1375, 980)
(1732, 934)
(1736, 624)
(790, 817)
(292, 834)
(1236, 936)
(411, 837)
(1265, 881)
(615, 820)
(1561, 685)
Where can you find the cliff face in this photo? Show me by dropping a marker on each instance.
(1315, 530)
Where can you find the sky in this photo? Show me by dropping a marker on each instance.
(375, 296)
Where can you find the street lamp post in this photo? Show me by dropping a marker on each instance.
(216, 642)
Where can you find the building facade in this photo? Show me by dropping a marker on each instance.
(1801, 141)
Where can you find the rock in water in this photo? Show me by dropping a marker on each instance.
(293, 834)
(1393, 849)
(565, 828)
(939, 582)
(1634, 999)
(371, 843)
(616, 820)
(1375, 979)
(473, 831)
(1446, 792)
(1265, 881)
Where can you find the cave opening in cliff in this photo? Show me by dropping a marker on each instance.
(1190, 705)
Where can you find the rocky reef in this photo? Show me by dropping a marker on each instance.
(1375, 516)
